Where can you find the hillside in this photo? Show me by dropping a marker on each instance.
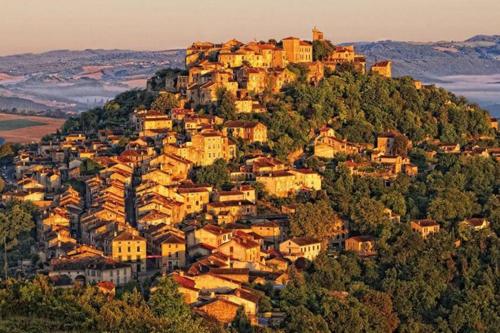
(384, 288)
(413, 169)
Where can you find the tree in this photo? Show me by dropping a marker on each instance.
(13, 221)
(322, 49)
(225, 106)
(302, 320)
(400, 145)
(241, 323)
(6, 150)
(165, 102)
(216, 174)
(395, 201)
(368, 216)
(317, 220)
(89, 121)
(167, 303)
(452, 204)
(380, 304)
(7, 153)
(89, 167)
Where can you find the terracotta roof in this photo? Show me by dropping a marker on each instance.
(241, 124)
(170, 238)
(249, 296)
(384, 63)
(362, 238)
(95, 262)
(184, 281)
(230, 203)
(128, 236)
(245, 242)
(476, 221)
(426, 223)
(302, 241)
(216, 230)
(230, 271)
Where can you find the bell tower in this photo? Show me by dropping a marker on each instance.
(317, 34)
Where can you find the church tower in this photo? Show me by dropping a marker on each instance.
(317, 35)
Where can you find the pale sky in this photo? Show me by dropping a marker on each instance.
(40, 25)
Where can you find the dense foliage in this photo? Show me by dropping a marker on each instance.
(17, 220)
(216, 174)
(87, 309)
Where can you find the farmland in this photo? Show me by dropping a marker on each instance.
(13, 124)
(24, 129)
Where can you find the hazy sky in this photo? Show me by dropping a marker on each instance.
(39, 25)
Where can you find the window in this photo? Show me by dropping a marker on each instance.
(138, 248)
(119, 249)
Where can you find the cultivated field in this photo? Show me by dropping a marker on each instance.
(25, 129)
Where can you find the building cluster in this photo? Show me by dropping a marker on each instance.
(118, 208)
(382, 160)
(247, 70)
(114, 215)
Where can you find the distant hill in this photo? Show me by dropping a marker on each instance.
(9, 103)
(78, 80)
(479, 55)
(68, 63)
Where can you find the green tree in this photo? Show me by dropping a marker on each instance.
(216, 174)
(89, 167)
(368, 216)
(241, 323)
(400, 145)
(322, 49)
(317, 220)
(165, 102)
(167, 303)
(225, 106)
(302, 320)
(13, 221)
(6, 150)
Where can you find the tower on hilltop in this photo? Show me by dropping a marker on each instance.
(317, 34)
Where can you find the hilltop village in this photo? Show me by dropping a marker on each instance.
(157, 206)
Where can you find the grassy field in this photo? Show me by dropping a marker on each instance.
(12, 124)
(25, 129)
